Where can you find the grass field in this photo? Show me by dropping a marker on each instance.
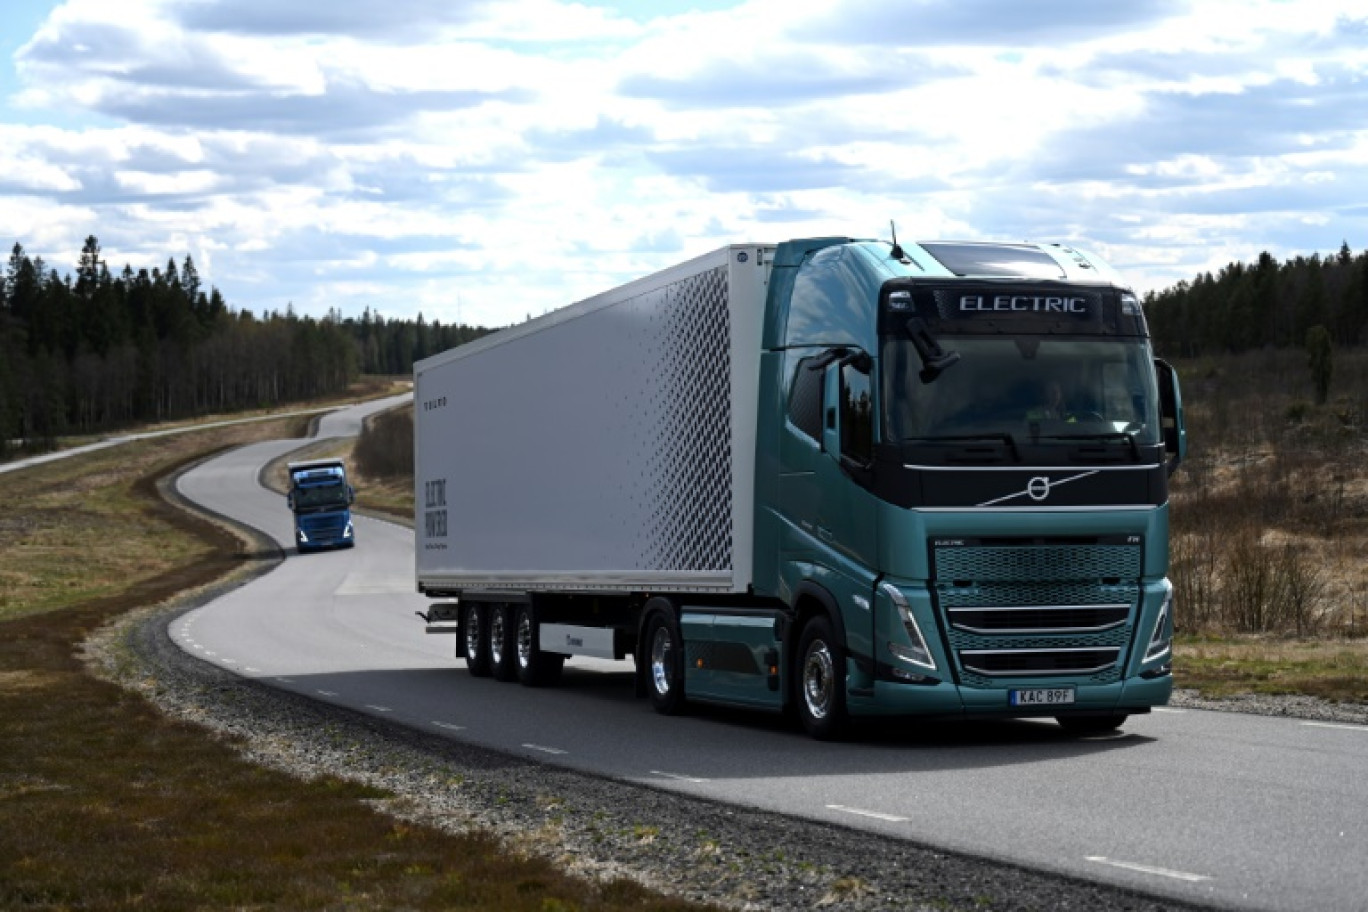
(105, 804)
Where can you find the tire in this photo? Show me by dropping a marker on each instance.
(821, 685)
(503, 642)
(1092, 725)
(535, 668)
(474, 638)
(664, 664)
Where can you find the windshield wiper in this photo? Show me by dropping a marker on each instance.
(934, 359)
(1004, 438)
(1118, 436)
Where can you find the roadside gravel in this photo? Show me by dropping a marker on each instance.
(732, 857)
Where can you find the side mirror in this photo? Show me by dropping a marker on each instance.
(1171, 415)
(351, 494)
(289, 500)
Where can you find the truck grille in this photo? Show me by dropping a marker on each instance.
(1038, 662)
(1037, 609)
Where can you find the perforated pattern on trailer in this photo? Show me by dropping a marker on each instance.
(688, 480)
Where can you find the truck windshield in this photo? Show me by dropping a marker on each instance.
(1033, 388)
(320, 497)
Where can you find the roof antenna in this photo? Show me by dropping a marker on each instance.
(897, 251)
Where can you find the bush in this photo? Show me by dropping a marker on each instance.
(385, 448)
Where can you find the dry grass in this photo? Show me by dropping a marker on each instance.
(1330, 669)
(1270, 513)
(106, 804)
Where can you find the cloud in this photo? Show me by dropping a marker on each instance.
(1000, 23)
(514, 155)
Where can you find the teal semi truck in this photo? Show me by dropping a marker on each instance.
(320, 499)
(843, 478)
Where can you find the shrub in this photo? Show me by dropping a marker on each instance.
(385, 448)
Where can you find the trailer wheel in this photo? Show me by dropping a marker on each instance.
(665, 664)
(474, 639)
(821, 681)
(1091, 725)
(535, 668)
(503, 643)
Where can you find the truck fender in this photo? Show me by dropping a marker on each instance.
(810, 599)
(641, 658)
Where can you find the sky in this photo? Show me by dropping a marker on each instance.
(482, 162)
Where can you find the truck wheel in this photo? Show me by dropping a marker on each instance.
(821, 681)
(535, 668)
(503, 643)
(475, 639)
(664, 664)
(1091, 725)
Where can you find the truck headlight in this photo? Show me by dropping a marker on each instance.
(1161, 640)
(302, 537)
(917, 653)
(347, 532)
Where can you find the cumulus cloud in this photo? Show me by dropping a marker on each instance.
(513, 155)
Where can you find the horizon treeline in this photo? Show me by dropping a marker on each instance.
(96, 350)
(1264, 304)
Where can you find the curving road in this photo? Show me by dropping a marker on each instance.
(1242, 811)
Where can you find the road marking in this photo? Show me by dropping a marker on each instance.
(449, 727)
(681, 778)
(285, 680)
(1168, 709)
(251, 669)
(1352, 728)
(543, 749)
(889, 818)
(1149, 869)
(327, 693)
(379, 709)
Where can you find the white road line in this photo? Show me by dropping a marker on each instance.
(326, 693)
(543, 749)
(1168, 709)
(1353, 728)
(249, 668)
(1148, 869)
(677, 776)
(379, 709)
(285, 680)
(889, 818)
(449, 727)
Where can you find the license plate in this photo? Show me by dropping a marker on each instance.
(1041, 696)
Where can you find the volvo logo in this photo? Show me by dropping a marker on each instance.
(1037, 489)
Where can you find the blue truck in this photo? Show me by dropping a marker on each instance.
(320, 499)
(851, 479)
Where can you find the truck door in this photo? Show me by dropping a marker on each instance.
(847, 514)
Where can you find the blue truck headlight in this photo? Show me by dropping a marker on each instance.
(347, 532)
(917, 653)
(299, 533)
(1161, 640)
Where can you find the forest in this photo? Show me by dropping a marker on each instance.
(1265, 304)
(95, 351)
(98, 350)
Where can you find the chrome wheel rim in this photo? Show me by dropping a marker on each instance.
(496, 637)
(662, 660)
(472, 635)
(819, 680)
(524, 640)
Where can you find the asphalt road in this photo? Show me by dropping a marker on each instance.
(1244, 811)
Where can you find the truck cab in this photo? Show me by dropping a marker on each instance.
(962, 482)
(320, 499)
